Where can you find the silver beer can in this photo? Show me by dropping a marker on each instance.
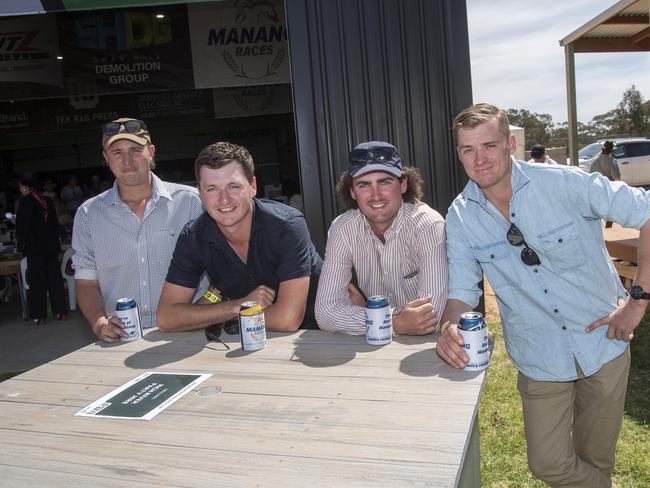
(252, 327)
(127, 311)
(379, 321)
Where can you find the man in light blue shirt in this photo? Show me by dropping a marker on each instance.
(555, 288)
(123, 239)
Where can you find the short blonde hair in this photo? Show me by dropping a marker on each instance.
(478, 114)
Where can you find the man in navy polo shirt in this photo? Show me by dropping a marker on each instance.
(252, 249)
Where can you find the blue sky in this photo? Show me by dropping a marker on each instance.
(517, 60)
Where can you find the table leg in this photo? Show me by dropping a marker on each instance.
(23, 295)
(470, 475)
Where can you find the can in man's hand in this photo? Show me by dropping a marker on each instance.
(127, 311)
(474, 330)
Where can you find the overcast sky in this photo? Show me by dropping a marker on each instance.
(517, 61)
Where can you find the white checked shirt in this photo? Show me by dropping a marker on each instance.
(411, 264)
(129, 257)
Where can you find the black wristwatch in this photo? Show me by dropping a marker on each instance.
(638, 293)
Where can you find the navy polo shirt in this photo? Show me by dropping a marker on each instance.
(279, 249)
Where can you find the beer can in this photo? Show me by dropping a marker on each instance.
(475, 340)
(379, 321)
(127, 311)
(252, 327)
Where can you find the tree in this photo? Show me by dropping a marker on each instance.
(630, 117)
(538, 127)
(633, 118)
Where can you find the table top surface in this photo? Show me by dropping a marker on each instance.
(622, 243)
(312, 408)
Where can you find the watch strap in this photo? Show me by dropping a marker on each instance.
(208, 295)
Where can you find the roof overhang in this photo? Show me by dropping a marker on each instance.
(624, 27)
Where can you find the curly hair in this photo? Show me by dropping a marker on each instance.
(220, 154)
(412, 194)
(478, 114)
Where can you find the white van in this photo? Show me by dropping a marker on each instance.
(632, 155)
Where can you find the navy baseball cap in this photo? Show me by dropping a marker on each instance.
(375, 156)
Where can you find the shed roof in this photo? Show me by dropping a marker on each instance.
(624, 27)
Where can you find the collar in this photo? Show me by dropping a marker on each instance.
(210, 231)
(395, 225)
(158, 190)
(518, 179)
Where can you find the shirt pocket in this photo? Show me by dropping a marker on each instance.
(492, 262)
(562, 247)
(162, 246)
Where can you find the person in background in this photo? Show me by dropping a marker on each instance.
(124, 237)
(606, 164)
(534, 231)
(389, 239)
(538, 155)
(72, 195)
(251, 249)
(37, 236)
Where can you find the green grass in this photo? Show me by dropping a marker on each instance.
(503, 446)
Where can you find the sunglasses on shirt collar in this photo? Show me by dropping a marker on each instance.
(516, 238)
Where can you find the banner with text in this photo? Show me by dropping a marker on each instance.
(28, 58)
(117, 51)
(247, 101)
(239, 43)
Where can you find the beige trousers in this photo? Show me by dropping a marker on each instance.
(572, 427)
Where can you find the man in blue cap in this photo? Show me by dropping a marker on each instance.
(389, 240)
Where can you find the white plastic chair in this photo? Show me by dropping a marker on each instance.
(69, 279)
(23, 287)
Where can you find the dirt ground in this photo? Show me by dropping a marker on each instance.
(491, 309)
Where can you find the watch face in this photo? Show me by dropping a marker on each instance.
(637, 292)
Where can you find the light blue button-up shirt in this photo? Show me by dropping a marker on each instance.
(546, 308)
(130, 257)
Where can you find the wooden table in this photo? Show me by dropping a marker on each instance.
(311, 409)
(11, 267)
(622, 243)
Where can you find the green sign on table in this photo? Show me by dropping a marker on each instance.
(143, 397)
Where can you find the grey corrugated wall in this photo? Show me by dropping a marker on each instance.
(394, 70)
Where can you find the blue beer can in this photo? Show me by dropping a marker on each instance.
(127, 311)
(474, 331)
(471, 321)
(379, 321)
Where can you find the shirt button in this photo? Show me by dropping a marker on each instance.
(546, 291)
(535, 270)
(492, 256)
(512, 214)
(559, 240)
(556, 310)
(564, 327)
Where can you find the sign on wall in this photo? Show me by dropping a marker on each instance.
(240, 42)
(113, 51)
(28, 57)
(247, 101)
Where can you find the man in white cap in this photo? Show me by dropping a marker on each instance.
(392, 242)
(123, 238)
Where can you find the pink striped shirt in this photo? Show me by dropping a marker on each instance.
(412, 263)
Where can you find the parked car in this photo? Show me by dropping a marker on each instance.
(632, 155)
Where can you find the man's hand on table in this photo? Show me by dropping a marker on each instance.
(109, 329)
(416, 318)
